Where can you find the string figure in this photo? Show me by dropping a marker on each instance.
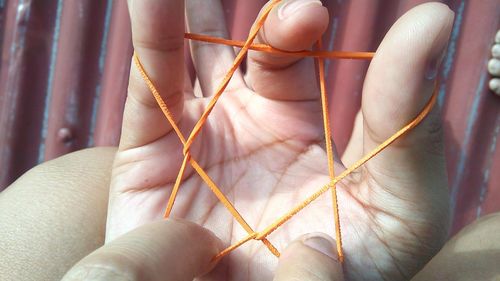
(245, 46)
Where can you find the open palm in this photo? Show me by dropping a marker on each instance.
(263, 143)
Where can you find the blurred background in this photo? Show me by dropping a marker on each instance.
(65, 65)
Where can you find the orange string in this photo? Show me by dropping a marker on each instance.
(213, 187)
(187, 143)
(329, 151)
(245, 46)
(237, 61)
(349, 170)
(198, 126)
(269, 49)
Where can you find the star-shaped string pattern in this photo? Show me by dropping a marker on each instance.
(320, 55)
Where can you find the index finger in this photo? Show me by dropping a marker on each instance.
(167, 250)
(158, 39)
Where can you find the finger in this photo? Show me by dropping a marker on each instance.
(158, 38)
(293, 25)
(166, 250)
(312, 257)
(399, 82)
(211, 61)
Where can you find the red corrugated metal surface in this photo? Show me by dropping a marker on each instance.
(65, 66)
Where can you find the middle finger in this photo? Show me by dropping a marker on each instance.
(211, 61)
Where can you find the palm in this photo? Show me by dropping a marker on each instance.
(266, 155)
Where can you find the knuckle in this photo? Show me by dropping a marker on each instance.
(165, 43)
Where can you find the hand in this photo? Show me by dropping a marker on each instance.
(171, 250)
(168, 250)
(262, 142)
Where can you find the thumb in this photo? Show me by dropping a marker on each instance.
(311, 257)
(400, 81)
(166, 250)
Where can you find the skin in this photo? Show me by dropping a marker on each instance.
(170, 251)
(269, 131)
(53, 224)
(57, 198)
(42, 236)
(54, 215)
(165, 250)
(473, 254)
(262, 143)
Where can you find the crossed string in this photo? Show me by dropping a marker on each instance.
(331, 185)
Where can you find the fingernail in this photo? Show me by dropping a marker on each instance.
(431, 71)
(321, 243)
(291, 7)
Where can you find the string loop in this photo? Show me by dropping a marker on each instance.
(331, 185)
